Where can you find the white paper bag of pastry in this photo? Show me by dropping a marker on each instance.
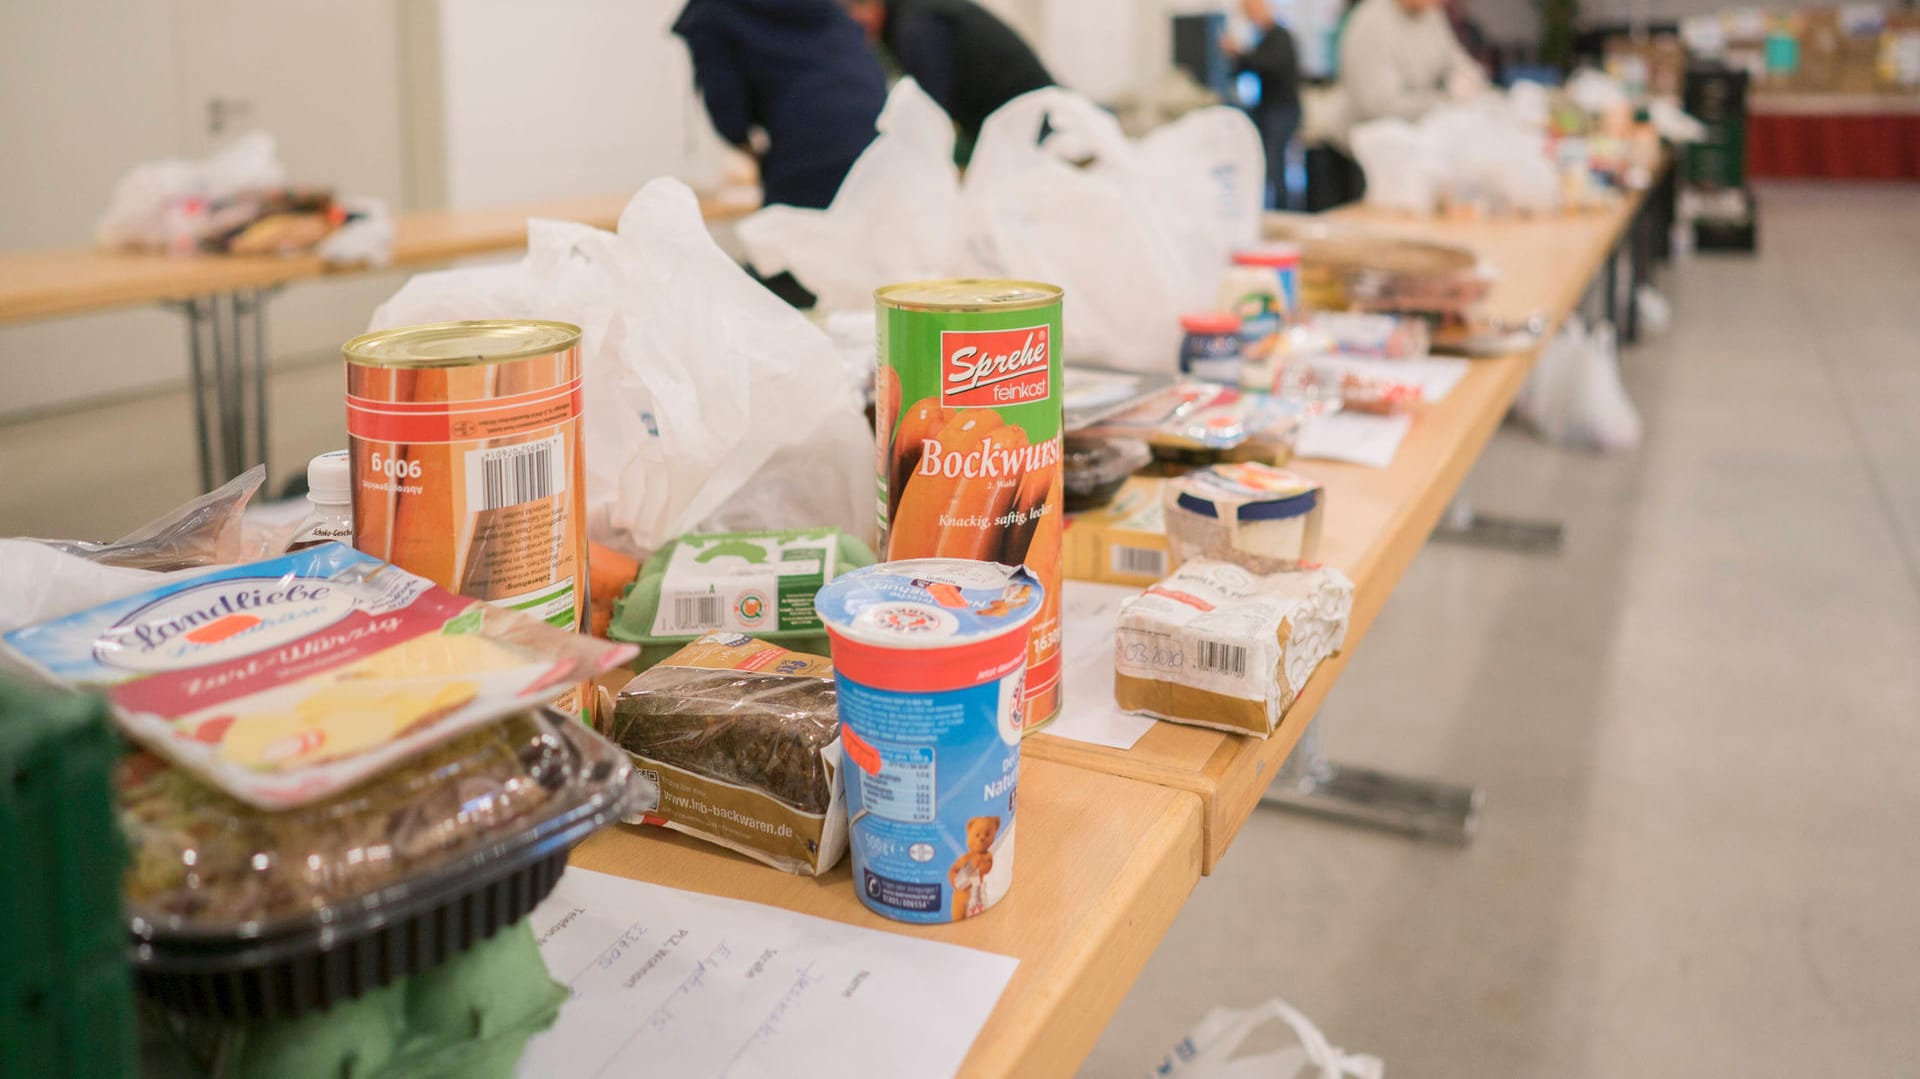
(1218, 646)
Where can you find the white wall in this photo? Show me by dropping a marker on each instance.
(70, 120)
(92, 87)
(569, 97)
(455, 102)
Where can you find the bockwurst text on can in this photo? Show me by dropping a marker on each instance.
(968, 415)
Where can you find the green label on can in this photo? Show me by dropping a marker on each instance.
(968, 412)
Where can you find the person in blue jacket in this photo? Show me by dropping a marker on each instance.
(801, 72)
(964, 57)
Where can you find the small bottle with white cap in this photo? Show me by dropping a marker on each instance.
(330, 490)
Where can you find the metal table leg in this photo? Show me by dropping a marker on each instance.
(1425, 809)
(1464, 524)
(227, 346)
(233, 398)
(202, 330)
(1611, 285)
(250, 322)
(1638, 243)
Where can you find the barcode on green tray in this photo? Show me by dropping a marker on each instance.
(1223, 657)
(1143, 560)
(698, 614)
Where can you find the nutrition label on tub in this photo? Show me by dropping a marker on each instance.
(903, 789)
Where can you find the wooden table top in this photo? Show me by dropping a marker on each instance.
(47, 284)
(1815, 103)
(1378, 519)
(1104, 866)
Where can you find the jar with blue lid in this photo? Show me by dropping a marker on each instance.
(1211, 350)
(1262, 518)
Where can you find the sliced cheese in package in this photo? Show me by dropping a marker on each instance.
(286, 681)
(1218, 646)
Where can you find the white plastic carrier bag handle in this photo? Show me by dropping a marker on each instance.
(1207, 1052)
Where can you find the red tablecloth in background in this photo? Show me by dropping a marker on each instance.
(1852, 146)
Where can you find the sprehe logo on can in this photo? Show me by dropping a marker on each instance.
(989, 368)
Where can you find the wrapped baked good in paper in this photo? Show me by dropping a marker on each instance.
(1218, 646)
(742, 738)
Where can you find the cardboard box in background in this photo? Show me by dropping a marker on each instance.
(1123, 542)
(1660, 62)
(1820, 46)
(1666, 66)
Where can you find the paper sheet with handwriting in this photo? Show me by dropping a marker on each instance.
(1089, 613)
(667, 982)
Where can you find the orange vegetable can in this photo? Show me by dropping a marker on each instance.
(467, 464)
(968, 416)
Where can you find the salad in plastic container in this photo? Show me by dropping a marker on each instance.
(249, 913)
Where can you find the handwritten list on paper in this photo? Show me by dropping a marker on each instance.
(667, 982)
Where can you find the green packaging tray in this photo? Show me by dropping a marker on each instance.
(760, 584)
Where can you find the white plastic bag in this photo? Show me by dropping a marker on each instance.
(709, 402)
(1574, 397)
(38, 583)
(1404, 170)
(1208, 173)
(366, 240)
(1055, 193)
(1494, 155)
(1207, 1052)
(895, 218)
(1595, 91)
(137, 214)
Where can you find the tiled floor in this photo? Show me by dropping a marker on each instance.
(1698, 728)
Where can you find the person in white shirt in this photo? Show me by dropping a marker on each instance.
(1399, 58)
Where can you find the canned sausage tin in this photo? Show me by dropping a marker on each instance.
(930, 658)
(467, 463)
(968, 416)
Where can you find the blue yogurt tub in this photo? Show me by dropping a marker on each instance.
(930, 660)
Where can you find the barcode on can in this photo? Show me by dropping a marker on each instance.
(698, 614)
(1144, 560)
(509, 475)
(1221, 656)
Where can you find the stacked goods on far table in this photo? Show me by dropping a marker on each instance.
(1349, 266)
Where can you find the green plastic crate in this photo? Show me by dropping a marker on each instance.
(66, 1001)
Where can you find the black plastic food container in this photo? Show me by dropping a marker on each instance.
(244, 914)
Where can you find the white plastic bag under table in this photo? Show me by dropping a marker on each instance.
(1207, 1052)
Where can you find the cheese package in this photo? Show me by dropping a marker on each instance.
(286, 681)
(741, 740)
(1218, 646)
(1122, 542)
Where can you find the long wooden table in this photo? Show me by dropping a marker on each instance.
(1378, 519)
(1104, 865)
(50, 284)
(1113, 841)
(224, 298)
